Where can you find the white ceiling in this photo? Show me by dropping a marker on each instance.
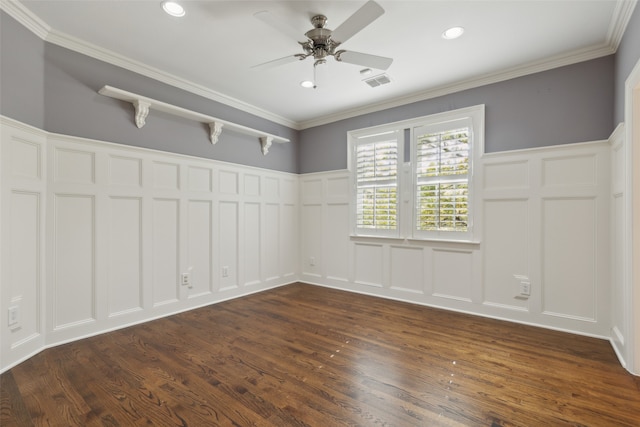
(211, 50)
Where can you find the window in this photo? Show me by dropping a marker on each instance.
(376, 182)
(442, 169)
(429, 194)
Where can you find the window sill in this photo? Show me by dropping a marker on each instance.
(413, 240)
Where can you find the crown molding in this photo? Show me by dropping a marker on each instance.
(619, 21)
(24, 16)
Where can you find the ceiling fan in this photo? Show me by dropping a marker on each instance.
(322, 42)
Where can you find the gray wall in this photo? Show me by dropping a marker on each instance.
(627, 57)
(21, 73)
(62, 88)
(560, 106)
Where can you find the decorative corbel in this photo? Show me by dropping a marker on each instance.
(216, 130)
(142, 111)
(266, 142)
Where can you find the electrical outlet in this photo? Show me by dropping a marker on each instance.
(225, 271)
(14, 315)
(525, 288)
(312, 261)
(185, 279)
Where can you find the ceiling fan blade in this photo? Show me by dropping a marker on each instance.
(356, 22)
(365, 60)
(279, 24)
(276, 62)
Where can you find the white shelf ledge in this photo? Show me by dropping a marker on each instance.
(142, 105)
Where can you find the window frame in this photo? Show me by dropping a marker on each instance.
(367, 136)
(406, 225)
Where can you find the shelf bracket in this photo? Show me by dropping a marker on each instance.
(215, 131)
(142, 111)
(266, 142)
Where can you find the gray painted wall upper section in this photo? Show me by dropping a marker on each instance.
(627, 57)
(21, 73)
(560, 106)
(69, 104)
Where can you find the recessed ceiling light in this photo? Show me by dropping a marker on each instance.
(173, 8)
(307, 84)
(453, 33)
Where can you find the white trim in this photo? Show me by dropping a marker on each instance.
(632, 309)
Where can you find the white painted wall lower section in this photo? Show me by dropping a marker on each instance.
(96, 236)
(543, 214)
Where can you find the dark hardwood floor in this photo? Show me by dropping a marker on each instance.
(302, 355)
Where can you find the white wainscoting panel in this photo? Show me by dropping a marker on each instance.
(166, 262)
(23, 172)
(74, 263)
(200, 246)
(407, 269)
(117, 226)
(337, 232)
(368, 266)
(125, 255)
(507, 246)
(452, 274)
(125, 171)
(251, 243)
(24, 253)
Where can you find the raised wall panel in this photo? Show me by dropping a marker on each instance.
(228, 182)
(165, 243)
(126, 171)
(74, 238)
(25, 257)
(569, 257)
(228, 245)
(289, 194)
(617, 266)
(407, 269)
(289, 240)
(166, 176)
(251, 185)
(251, 244)
(125, 255)
(271, 188)
(506, 251)
(337, 235)
(199, 246)
(566, 171)
(312, 239)
(199, 179)
(369, 264)
(74, 166)
(26, 159)
(507, 175)
(338, 189)
(272, 241)
(452, 274)
(311, 191)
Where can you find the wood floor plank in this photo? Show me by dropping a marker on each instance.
(302, 355)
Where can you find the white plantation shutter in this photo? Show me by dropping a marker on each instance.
(376, 182)
(442, 171)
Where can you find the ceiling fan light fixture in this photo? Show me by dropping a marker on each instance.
(173, 8)
(452, 33)
(307, 84)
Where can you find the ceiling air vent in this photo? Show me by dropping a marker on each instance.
(379, 80)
